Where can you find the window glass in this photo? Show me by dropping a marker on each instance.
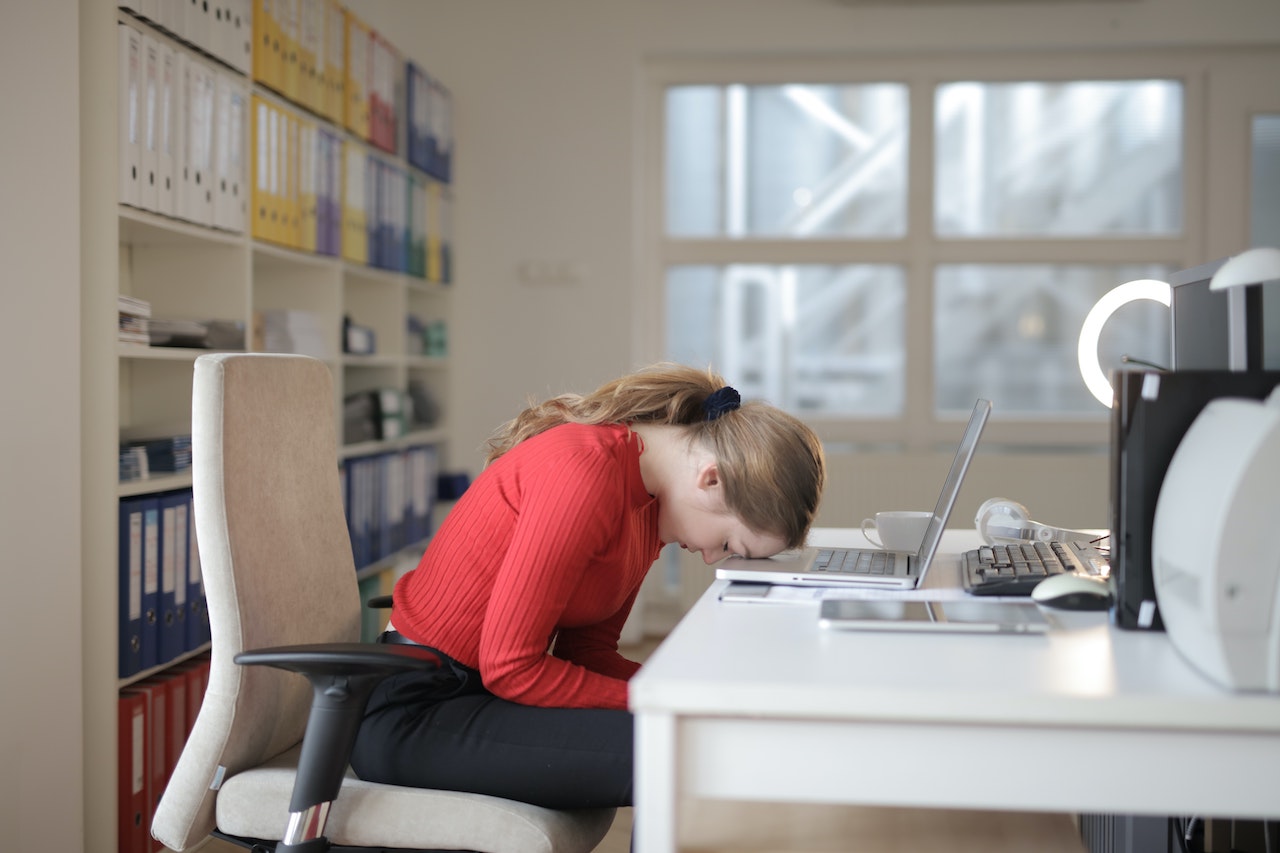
(1009, 332)
(1058, 159)
(814, 339)
(786, 161)
(815, 317)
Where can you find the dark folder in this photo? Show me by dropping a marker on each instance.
(132, 758)
(150, 582)
(132, 511)
(173, 561)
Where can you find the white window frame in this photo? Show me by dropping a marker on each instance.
(920, 251)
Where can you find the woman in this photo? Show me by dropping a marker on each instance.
(526, 586)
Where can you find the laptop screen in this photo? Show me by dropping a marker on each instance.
(951, 487)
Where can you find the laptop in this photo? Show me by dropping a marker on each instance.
(867, 567)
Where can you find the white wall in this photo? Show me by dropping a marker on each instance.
(548, 128)
(40, 701)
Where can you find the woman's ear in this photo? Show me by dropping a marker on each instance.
(709, 475)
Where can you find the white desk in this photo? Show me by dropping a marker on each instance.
(756, 702)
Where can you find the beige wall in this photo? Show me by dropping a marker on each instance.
(40, 700)
(549, 128)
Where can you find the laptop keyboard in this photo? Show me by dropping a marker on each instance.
(1016, 569)
(854, 561)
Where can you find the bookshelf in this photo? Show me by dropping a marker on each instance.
(228, 271)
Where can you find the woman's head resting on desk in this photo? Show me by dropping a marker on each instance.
(731, 477)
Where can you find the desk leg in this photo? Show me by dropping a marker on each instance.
(656, 794)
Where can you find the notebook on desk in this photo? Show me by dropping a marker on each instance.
(867, 567)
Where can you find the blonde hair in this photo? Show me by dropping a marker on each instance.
(772, 465)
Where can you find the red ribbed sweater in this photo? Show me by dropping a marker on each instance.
(546, 550)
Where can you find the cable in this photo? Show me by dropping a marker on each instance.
(1184, 831)
(1128, 359)
(1180, 833)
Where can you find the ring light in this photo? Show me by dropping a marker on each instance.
(1091, 330)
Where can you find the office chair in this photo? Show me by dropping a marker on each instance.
(282, 599)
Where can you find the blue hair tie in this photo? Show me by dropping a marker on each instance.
(724, 400)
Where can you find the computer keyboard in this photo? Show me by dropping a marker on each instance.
(857, 561)
(1016, 569)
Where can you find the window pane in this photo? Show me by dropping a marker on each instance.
(794, 161)
(1009, 332)
(812, 339)
(1058, 159)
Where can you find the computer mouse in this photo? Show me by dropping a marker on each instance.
(1073, 591)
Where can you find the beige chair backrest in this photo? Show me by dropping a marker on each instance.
(276, 561)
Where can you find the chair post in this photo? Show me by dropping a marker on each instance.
(337, 706)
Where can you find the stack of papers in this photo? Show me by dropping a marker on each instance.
(295, 331)
(135, 317)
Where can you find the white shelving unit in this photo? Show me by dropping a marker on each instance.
(191, 272)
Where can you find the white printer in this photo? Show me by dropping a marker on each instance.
(1216, 544)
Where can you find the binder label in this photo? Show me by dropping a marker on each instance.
(138, 764)
(135, 565)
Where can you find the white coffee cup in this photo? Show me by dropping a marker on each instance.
(899, 530)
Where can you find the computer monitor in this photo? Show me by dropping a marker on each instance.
(1214, 330)
(1271, 325)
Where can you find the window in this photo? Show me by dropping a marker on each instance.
(874, 246)
(787, 161)
(1009, 332)
(811, 338)
(1087, 159)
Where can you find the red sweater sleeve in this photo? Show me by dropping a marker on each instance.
(550, 543)
(596, 646)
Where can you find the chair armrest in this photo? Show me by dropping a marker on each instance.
(342, 658)
(342, 677)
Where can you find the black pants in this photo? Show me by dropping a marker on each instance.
(442, 729)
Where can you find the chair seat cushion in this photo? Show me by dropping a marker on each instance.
(255, 803)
